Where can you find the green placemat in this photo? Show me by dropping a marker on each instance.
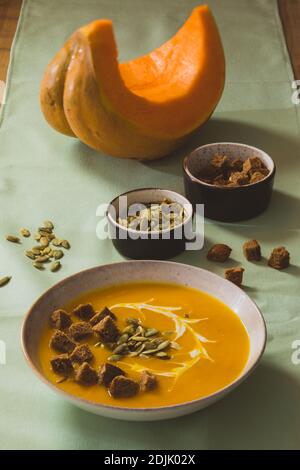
(46, 175)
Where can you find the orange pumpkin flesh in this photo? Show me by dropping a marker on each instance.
(143, 108)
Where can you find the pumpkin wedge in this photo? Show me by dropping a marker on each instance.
(141, 109)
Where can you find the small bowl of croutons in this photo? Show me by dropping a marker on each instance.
(234, 181)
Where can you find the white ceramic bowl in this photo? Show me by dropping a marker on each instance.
(66, 290)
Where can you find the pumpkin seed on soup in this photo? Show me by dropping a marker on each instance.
(162, 355)
(132, 321)
(114, 357)
(144, 356)
(151, 332)
(163, 345)
(123, 338)
(120, 349)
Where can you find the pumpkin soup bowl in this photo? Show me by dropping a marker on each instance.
(175, 274)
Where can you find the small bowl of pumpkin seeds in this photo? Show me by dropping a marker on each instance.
(150, 223)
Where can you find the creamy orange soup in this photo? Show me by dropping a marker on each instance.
(214, 344)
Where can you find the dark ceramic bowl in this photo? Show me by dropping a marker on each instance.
(137, 244)
(227, 204)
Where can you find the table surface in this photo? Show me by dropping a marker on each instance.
(289, 12)
(44, 175)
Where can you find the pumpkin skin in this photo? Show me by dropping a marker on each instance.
(52, 88)
(141, 109)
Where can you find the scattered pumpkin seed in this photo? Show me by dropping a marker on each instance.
(25, 232)
(44, 251)
(13, 239)
(55, 266)
(38, 265)
(133, 354)
(45, 230)
(42, 259)
(65, 244)
(44, 242)
(37, 250)
(97, 345)
(58, 254)
(114, 357)
(30, 254)
(4, 280)
(49, 224)
(144, 356)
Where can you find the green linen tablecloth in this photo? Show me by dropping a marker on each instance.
(46, 175)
